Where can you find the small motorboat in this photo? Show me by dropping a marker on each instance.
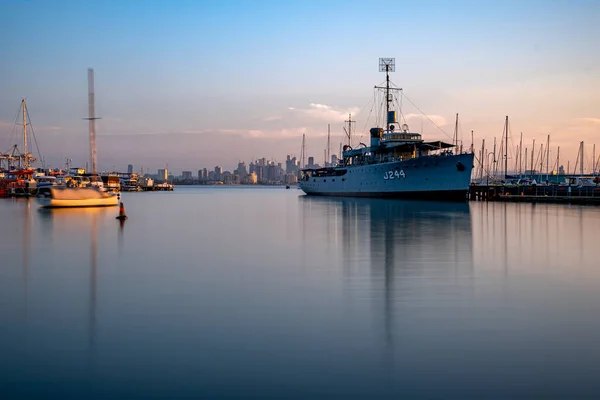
(55, 196)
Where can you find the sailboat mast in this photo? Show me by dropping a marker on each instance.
(532, 153)
(481, 159)
(506, 148)
(328, 158)
(594, 159)
(521, 155)
(92, 119)
(302, 151)
(548, 158)
(541, 161)
(24, 112)
(494, 160)
(581, 159)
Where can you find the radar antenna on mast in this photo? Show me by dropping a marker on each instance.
(387, 64)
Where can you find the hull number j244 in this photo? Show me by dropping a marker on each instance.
(394, 174)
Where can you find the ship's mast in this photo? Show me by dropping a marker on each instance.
(387, 65)
(24, 112)
(349, 131)
(455, 138)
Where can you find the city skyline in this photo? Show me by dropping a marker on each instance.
(188, 83)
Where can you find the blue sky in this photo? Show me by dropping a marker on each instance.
(199, 83)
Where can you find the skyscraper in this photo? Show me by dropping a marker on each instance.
(218, 173)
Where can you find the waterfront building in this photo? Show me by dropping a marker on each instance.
(241, 170)
(218, 173)
(251, 178)
(163, 174)
(290, 179)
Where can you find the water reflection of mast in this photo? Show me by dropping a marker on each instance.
(383, 242)
(389, 241)
(26, 239)
(26, 245)
(93, 265)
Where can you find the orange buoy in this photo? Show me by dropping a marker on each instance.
(122, 215)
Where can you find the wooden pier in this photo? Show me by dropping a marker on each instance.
(536, 193)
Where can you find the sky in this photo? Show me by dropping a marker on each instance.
(194, 84)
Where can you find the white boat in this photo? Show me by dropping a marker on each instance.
(94, 194)
(55, 197)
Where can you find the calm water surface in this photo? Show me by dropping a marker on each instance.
(263, 292)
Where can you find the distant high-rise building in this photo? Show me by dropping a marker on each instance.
(163, 174)
(186, 175)
(218, 173)
(561, 170)
(130, 169)
(334, 159)
(241, 170)
(259, 171)
(311, 162)
(291, 165)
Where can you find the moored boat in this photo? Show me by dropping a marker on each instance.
(57, 197)
(397, 163)
(94, 194)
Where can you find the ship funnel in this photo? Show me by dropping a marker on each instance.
(391, 117)
(376, 134)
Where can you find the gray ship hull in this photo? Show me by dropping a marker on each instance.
(443, 177)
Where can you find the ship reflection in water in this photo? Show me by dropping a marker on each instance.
(303, 297)
(478, 300)
(413, 263)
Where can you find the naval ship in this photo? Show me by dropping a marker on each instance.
(397, 164)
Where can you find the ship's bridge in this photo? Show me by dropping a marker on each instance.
(401, 137)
